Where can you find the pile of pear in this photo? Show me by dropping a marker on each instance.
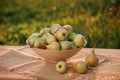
(81, 67)
(56, 37)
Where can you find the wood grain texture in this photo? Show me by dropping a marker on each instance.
(12, 76)
(16, 65)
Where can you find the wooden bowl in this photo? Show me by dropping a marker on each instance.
(54, 56)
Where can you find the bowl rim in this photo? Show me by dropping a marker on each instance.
(62, 50)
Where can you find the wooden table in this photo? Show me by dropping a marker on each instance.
(35, 68)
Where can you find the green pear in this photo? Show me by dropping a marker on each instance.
(31, 40)
(80, 67)
(79, 41)
(92, 59)
(73, 45)
(35, 34)
(79, 35)
(61, 67)
(69, 29)
(40, 43)
(44, 30)
(61, 34)
(27, 42)
(46, 35)
(71, 37)
(53, 46)
(50, 39)
(54, 28)
(65, 45)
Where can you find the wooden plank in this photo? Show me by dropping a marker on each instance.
(13, 76)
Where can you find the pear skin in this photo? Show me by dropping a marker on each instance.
(65, 45)
(79, 40)
(40, 43)
(44, 30)
(69, 29)
(54, 28)
(61, 34)
(81, 67)
(32, 40)
(71, 37)
(61, 67)
(92, 59)
(50, 39)
(53, 46)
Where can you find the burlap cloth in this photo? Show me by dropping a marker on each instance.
(22, 60)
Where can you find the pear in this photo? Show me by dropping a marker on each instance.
(61, 34)
(61, 67)
(79, 35)
(68, 28)
(35, 34)
(27, 42)
(92, 59)
(73, 46)
(65, 45)
(44, 36)
(44, 30)
(71, 37)
(80, 67)
(53, 46)
(79, 41)
(31, 40)
(50, 39)
(54, 28)
(40, 43)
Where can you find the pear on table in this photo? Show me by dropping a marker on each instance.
(92, 59)
(80, 67)
(61, 67)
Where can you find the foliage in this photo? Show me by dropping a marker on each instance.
(97, 20)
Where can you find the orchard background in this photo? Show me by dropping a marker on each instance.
(96, 20)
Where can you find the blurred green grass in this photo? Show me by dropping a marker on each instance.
(96, 20)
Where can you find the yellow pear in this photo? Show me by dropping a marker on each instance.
(81, 67)
(92, 59)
